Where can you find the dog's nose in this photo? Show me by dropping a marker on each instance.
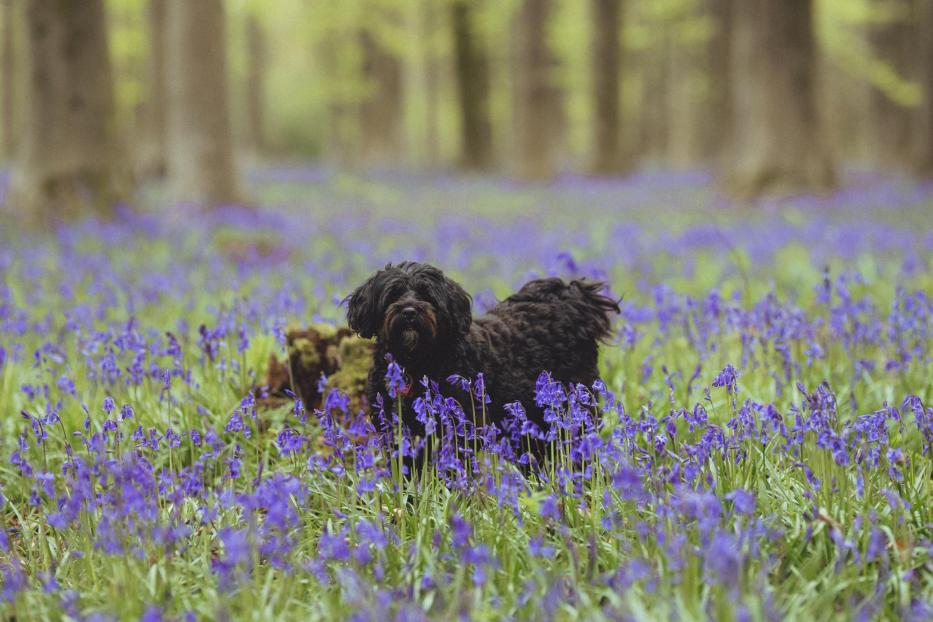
(409, 313)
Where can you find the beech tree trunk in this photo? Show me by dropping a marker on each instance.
(845, 109)
(381, 109)
(686, 106)
(654, 114)
(151, 153)
(925, 114)
(778, 144)
(534, 95)
(342, 122)
(472, 69)
(606, 68)
(67, 161)
(7, 81)
(893, 43)
(255, 83)
(432, 84)
(341, 132)
(199, 145)
(717, 130)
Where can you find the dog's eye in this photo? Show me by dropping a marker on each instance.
(424, 293)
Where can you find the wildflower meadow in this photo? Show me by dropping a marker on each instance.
(760, 446)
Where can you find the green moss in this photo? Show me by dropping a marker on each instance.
(326, 331)
(355, 358)
(306, 351)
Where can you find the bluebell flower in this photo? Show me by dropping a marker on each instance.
(126, 412)
(395, 378)
(334, 547)
(722, 560)
(12, 580)
(538, 548)
(460, 531)
(153, 614)
(548, 508)
(727, 378)
(461, 382)
(742, 500)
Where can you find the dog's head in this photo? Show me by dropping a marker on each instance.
(411, 308)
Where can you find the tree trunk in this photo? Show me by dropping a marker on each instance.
(717, 130)
(653, 105)
(685, 104)
(255, 83)
(7, 81)
(432, 84)
(558, 117)
(341, 121)
(606, 68)
(199, 146)
(778, 145)
(846, 115)
(381, 108)
(533, 119)
(925, 126)
(151, 156)
(890, 130)
(67, 161)
(472, 68)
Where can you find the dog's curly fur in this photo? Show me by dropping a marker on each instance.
(424, 320)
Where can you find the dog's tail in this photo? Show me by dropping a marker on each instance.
(583, 306)
(595, 308)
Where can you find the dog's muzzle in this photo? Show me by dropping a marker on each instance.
(409, 327)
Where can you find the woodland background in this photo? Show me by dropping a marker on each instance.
(775, 96)
(185, 182)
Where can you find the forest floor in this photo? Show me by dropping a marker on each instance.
(764, 449)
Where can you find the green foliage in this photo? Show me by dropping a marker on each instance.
(842, 24)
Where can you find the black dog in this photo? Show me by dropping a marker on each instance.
(424, 320)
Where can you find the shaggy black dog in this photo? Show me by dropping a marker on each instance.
(424, 320)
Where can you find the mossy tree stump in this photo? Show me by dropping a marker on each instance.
(342, 357)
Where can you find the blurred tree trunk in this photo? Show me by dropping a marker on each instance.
(846, 115)
(606, 67)
(151, 153)
(778, 144)
(341, 122)
(381, 108)
(472, 67)
(893, 43)
(717, 124)
(7, 80)
(686, 105)
(255, 83)
(558, 116)
(534, 95)
(925, 134)
(653, 125)
(337, 52)
(199, 146)
(432, 147)
(67, 162)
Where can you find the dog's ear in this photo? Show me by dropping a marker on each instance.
(459, 307)
(363, 309)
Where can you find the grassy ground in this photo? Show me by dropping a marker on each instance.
(764, 448)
